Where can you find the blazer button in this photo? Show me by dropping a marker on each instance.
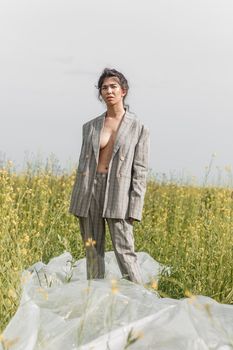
(122, 158)
(87, 156)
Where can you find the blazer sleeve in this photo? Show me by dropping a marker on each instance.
(139, 175)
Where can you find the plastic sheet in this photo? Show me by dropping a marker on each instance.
(60, 309)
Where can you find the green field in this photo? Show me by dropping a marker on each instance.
(186, 227)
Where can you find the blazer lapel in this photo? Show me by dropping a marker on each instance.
(98, 126)
(120, 136)
(122, 132)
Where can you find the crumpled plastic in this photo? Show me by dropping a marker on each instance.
(61, 310)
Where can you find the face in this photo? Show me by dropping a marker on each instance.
(111, 91)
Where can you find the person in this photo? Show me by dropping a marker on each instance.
(111, 178)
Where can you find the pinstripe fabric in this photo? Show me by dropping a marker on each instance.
(127, 173)
(121, 231)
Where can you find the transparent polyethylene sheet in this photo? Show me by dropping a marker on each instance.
(61, 310)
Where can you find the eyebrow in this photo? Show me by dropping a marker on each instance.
(105, 85)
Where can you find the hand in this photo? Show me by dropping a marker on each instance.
(131, 220)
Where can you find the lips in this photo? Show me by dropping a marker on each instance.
(109, 97)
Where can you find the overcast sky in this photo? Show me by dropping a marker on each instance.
(177, 56)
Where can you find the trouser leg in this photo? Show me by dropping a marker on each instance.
(93, 236)
(92, 230)
(121, 232)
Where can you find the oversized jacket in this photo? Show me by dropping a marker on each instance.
(127, 172)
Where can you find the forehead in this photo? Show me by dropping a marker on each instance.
(110, 80)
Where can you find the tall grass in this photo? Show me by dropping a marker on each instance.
(186, 227)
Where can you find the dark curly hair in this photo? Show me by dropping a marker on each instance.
(107, 73)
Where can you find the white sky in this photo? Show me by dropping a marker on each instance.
(177, 56)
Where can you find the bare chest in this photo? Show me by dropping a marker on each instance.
(108, 133)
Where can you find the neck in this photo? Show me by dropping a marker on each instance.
(116, 111)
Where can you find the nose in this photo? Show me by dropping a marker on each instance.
(109, 89)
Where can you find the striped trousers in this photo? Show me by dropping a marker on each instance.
(93, 231)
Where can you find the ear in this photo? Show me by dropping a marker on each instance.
(123, 92)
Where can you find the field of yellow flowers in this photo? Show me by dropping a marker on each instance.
(188, 228)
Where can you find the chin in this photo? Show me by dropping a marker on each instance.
(110, 103)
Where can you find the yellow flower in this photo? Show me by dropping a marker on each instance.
(43, 293)
(188, 294)
(7, 344)
(208, 309)
(26, 276)
(139, 335)
(90, 242)
(114, 287)
(154, 284)
(24, 251)
(40, 224)
(192, 297)
(12, 294)
(26, 238)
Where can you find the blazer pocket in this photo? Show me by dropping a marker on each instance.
(123, 175)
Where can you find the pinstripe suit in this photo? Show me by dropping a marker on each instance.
(126, 183)
(124, 188)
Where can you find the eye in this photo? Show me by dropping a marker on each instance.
(111, 86)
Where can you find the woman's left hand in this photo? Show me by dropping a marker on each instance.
(131, 220)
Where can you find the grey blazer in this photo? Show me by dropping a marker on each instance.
(127, 172)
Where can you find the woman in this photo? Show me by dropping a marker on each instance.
(111, 179)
